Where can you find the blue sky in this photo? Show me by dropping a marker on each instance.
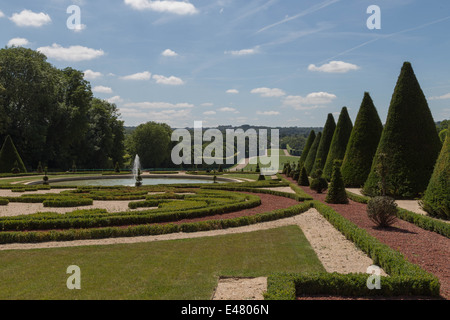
(257, 62)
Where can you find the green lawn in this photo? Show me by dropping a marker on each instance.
(170, 270)
(282, 160)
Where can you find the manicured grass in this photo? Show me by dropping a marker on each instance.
(275, 151)
(170, 270)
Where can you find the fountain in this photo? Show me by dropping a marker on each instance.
(137, 171)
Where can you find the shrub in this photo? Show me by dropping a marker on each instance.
(296, 175)
(10, 158)
(409, 139)
(362, 145)
(117, 168)
(382, 211)
(336, 192)
(339, 143)
(261, 177)
(309, 142)
(319, 184)
(4, 202)
(15, 169)
(39, 168)
(303, 179)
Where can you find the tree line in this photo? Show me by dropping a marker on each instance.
(52, 115)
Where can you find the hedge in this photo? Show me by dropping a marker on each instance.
(89, 220)
(147, 230)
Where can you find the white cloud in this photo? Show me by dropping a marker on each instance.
(243, 52)
(268, 113)
(209, 113)
(72, 53)
(115, 99)
(164, 6)
(1, 14)
(334, 67)
(169, 53)
(171, 81)
(311, 101)
(91, 75)
(233, 91)
(159, 105)
(138, 76)
(17, 42)
(28, 18)
(102, 89)
(443, 97)
(207, 104)
(268, 93)
(228, 109)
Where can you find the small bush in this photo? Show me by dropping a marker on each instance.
(4, 202)
(319, 184)
(382, 211)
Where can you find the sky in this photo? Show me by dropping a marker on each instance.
(278, 63)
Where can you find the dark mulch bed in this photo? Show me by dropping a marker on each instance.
(268, 203)
(427, 249)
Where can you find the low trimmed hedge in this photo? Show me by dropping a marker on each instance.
(4, 202)
(67, 202)
(357, 198)
(146, 229)
(290, 286)
(424, 222)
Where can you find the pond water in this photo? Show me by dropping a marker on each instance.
(129, 182)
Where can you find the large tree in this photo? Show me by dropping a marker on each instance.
(409, 141)
(52, 116)
(362, 144)
(339, 142)
(152, 142)
(325, 142)
(31, 95)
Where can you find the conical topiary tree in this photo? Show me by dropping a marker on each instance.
(325, 142)
(362, 144)
(409, 140)
(311, 158)
(436, 200)
(336, 190)
(303, 178)
(339, 142)
(8, 157)
(309, 142)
